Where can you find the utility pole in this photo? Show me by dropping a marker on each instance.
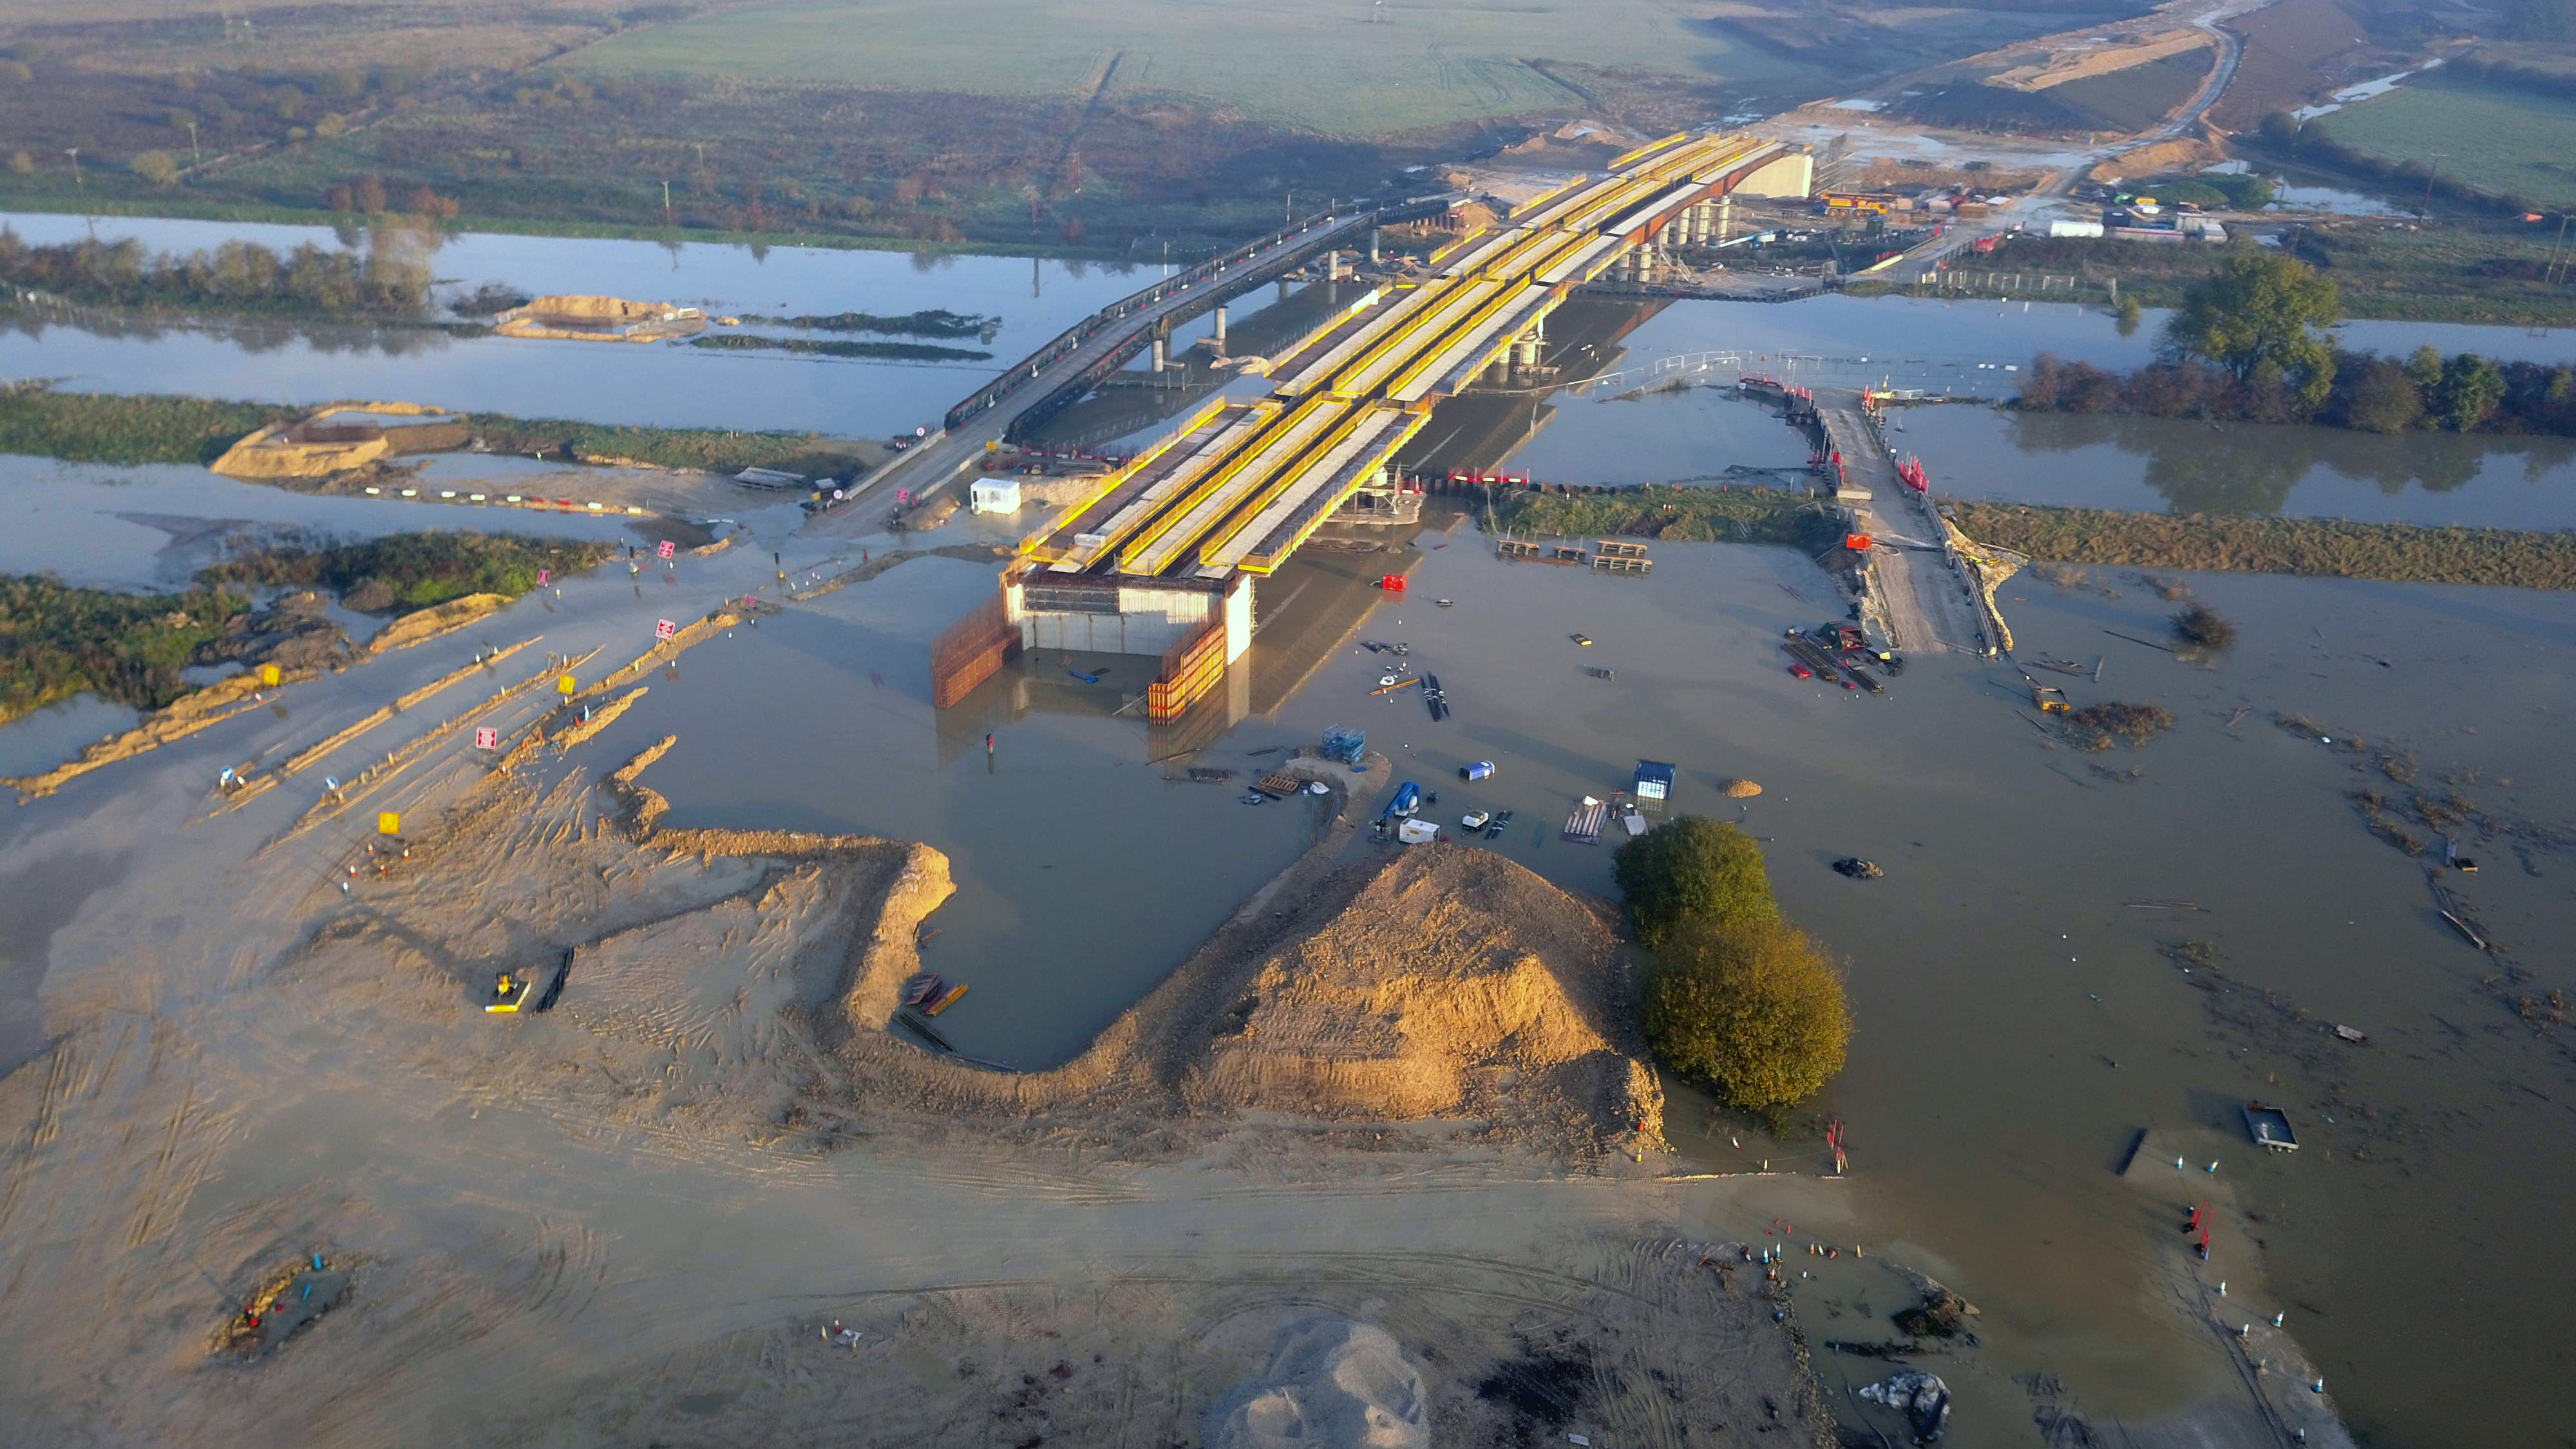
(666, 201)
(2430, 177)
(74, 153)
(2556, 250)
(195, 156)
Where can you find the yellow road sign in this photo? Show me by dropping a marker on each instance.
(388, 823)
(564, 685)
(268, 674)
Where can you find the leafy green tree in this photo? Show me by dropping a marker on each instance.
(2424, 368)
(156, 167)
(1756, 1012)
(2470, 389)
(2261, 308)
(2383, 398)
(2128, 314)
(1694, 870)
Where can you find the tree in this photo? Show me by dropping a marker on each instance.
(2382, 398)
(2128, 314)
(22, 164)
(156, 167)
(1693, 870)
(1757, 1013)
(2471, 387)
(2261, 308)
(2424, 368)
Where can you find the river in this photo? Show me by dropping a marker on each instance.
(2018, 1018)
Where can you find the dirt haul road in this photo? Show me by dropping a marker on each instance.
(637, 1216)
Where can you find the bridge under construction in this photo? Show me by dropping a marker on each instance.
(1161, 556)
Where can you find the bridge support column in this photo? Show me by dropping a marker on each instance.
(1725, 216)
(1529, 346)
(1372, 246)
(1161, 352)
(1218, 336)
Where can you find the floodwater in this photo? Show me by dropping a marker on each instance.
(2188, 466)
(658, 383)
(34, 743)
(1085, 869)
(1958, 346)
(151, 526)
(2018, 1019)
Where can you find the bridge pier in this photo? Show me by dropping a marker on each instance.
(1217, 337)
(1162, 351)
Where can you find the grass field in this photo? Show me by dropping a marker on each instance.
(1315, 67)
(2505, 142)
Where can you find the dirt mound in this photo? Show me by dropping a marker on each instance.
(2183, 154)
(1329, 1381)
(579, 318)
(1452, 983)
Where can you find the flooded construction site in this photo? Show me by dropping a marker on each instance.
(2066, 948)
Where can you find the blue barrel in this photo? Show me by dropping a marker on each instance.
(1480, 770)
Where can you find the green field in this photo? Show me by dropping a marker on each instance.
(1322, 68)
(2503, 142)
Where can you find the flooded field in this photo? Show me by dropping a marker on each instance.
(2004, 921)
(2153, 465)
(668, 384)
(154, 525)
(2185, 466)
(2018, 975)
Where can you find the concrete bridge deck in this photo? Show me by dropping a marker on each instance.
(987, 417)
(1239, 487)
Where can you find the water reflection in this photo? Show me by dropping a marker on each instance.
(253, 336)
(2185, 465)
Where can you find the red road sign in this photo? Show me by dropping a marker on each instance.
(667, 549)
(487, 739)
(664, 628)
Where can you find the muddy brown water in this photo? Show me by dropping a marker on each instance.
(2017, 1019)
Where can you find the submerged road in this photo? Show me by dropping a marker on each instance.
(1919, 595)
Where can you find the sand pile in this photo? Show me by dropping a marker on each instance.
(1329, 1381)
(313, 446)
(581, 318)
(1453, 983)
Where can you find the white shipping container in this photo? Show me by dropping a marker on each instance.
(2075, 228)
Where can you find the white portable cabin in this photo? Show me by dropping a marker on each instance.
(995, 495)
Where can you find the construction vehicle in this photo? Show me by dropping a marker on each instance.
(2049, 698)
(508, 992)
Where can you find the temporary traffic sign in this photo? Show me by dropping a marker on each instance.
(664, 628)
(388, 823)
(564, 686)
(545, 577)
(269, 675)
(487, 739)
(667, 549)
